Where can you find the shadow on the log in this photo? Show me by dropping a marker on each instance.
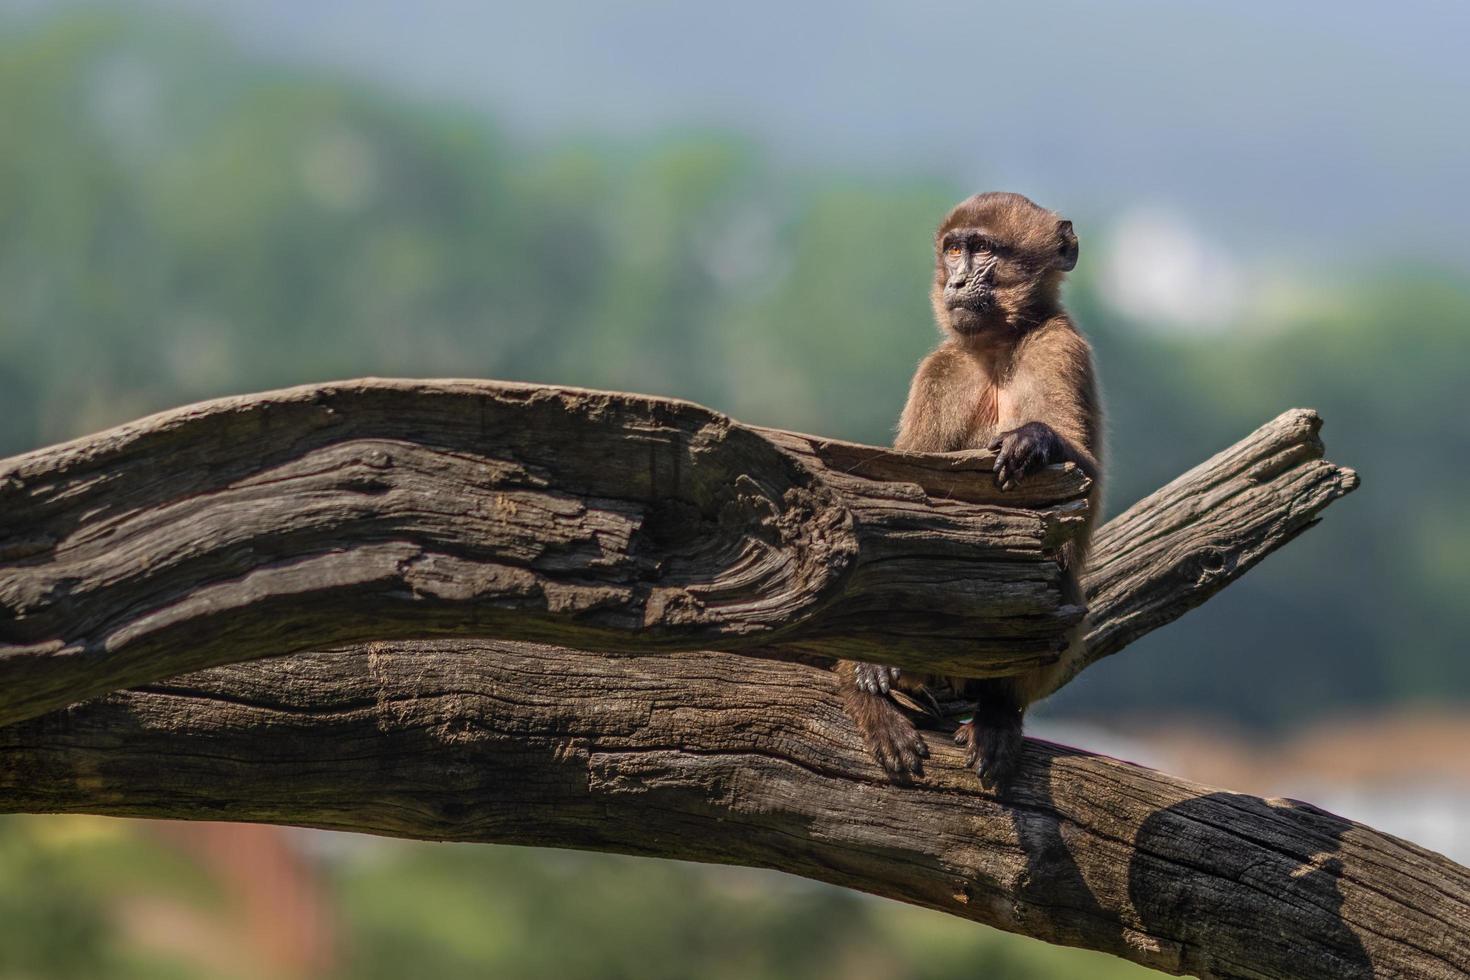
(1053, 882)
(1213, 876)
(1184, 852)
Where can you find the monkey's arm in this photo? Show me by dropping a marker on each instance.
(1056, 416)
(941, 404)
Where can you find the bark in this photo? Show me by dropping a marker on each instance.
(376, 510)
(256, 526)
(1188, 540)
(724, 758)
(282, 522)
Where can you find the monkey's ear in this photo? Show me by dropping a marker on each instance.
(1066, 257)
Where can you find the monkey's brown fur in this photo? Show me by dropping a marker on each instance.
(1012, 375)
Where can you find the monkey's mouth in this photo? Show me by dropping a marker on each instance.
(967, 300)
(976, 301)
(969, 310)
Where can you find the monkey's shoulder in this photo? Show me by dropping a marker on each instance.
(948, 365)
(1056, 334)
(1056, 349)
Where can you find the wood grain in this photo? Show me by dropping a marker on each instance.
(375, 510)
(1189, 539)
(724, 758)
(403, 523)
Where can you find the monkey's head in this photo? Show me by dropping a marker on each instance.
(999, 260)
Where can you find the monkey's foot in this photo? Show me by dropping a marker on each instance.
(898, 746)
(994, 751)
(874, 678)
(1022, 451)
(888, 734)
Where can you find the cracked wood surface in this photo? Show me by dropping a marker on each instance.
(724, 758)
(299, 519)
(373, 510)
(709, 755)
(1189, 539)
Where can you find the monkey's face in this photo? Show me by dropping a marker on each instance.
(969, 260)
(998, 258)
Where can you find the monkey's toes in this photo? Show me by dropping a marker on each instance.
(875, 678)
(900, 750)
(994, 753)
(964, 735)
(903, 757)
(999, 751)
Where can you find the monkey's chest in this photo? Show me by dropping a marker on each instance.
(989, 417)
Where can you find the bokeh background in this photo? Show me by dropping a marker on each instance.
(734, 204)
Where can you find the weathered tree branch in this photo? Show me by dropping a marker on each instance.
(257, 526)
(724, 758)
(1188, 540)
(404, 507)
(702, 755)
(375, 510)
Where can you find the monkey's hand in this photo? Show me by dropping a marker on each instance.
(874, 678)
(1022, 451)
(994, 750)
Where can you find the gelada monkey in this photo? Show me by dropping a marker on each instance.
(1012, 375)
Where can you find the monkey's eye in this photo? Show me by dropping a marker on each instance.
(953, 250)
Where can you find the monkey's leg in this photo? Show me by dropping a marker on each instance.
(886, 730)
(993, 736)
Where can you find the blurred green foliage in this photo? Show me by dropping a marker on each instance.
(602, 915)
(444, 911)
(178, 223)
(62, 885)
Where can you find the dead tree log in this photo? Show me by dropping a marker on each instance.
(730, 759)
(375, 510)
(257, 526)
(702, 755)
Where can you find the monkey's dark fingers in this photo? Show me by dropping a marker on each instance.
(1026, 456)
(1002, 471)
(1021, 457)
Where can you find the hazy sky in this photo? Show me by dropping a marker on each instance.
(1329, 132)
